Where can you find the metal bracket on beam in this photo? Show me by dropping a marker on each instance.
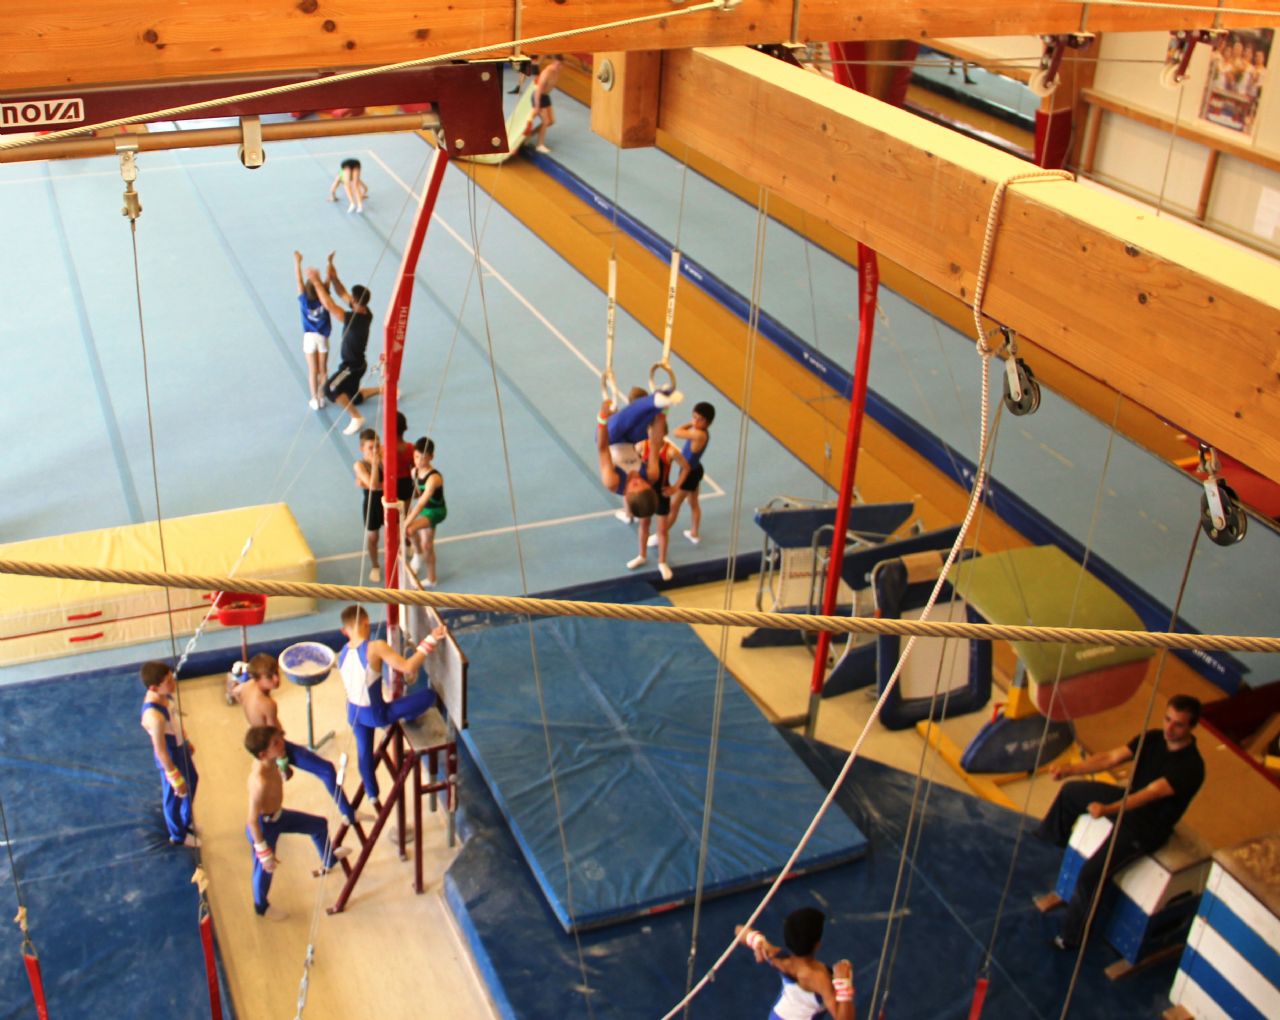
(127, 149)
(1045, 79)
(251, 152)
(1182, 45)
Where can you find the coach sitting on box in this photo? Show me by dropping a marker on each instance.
(1166, 775)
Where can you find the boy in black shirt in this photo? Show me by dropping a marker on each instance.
(343, 387)
(1166, 775)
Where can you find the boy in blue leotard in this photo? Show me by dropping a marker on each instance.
(809, 988)
(617, 434)
(254, 695)
(361, 662)
(696, 434)
(173, 753)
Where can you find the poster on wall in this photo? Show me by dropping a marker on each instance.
(1237, 72)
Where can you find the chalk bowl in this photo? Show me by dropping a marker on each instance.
(307, 663)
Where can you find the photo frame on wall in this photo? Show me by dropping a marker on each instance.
(1237, 74)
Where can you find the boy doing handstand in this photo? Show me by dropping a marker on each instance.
(617, 434)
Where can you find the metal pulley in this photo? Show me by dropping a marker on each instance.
(1021, 391)
(1222, 518)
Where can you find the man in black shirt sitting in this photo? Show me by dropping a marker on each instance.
(1166, 775)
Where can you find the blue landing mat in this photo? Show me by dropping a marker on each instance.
(110, 902)
(636, 970)
(629, 709)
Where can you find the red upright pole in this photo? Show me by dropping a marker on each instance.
(397, 326)
(868, 282)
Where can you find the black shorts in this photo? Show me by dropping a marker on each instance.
(544, 101)
(664, 505)
(372, 512)
(404, 490)
(349, 164)
(693, 479)
(344, 382)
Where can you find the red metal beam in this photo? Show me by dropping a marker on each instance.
(468, 98)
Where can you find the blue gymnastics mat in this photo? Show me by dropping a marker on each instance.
(112, 909)
(629, 714)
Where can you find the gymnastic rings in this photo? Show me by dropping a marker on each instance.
(609, 388)
(671, 376)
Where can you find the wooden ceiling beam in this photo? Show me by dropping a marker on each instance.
(1181, 323)
(55, 43)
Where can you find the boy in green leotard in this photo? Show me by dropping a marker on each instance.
(428, 512)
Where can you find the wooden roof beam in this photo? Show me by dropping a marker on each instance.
(1179, 322)
(55, 43)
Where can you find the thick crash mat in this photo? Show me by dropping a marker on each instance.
(43, 618)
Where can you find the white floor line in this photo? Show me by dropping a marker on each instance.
(569, 345)
(506, 530)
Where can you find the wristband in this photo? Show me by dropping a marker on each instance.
(175, 779)
(263, 851)
(428, 644)
(601, 420)
(844, 989)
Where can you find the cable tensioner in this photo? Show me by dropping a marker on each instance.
(1222, 518)
(1021, 391)
(127, 151)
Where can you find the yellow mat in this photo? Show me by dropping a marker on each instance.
(42, 618)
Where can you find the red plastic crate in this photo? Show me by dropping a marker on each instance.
(239, 609)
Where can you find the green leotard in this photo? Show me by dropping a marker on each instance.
(435, 510)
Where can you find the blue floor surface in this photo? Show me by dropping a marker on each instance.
(630, 709)
(636, 970)
(112, 910)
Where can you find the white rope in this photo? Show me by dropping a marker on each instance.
(566, 857)
(735, 517)
(979, 484)
(175, 112)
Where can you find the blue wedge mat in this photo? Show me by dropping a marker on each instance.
(112, 909)
(629, 711)
(636, 970)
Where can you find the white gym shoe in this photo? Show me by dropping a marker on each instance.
(691, 536)
(314, 404)
(375, 575)
(624, 516)
(653, 540)
(415, 562)
(353, 426)
(542, 149)
(665, 399)
(665, 571)
(636, 563)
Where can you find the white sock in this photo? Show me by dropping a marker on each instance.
(637, 562)
(665, 571)
(691, 536)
